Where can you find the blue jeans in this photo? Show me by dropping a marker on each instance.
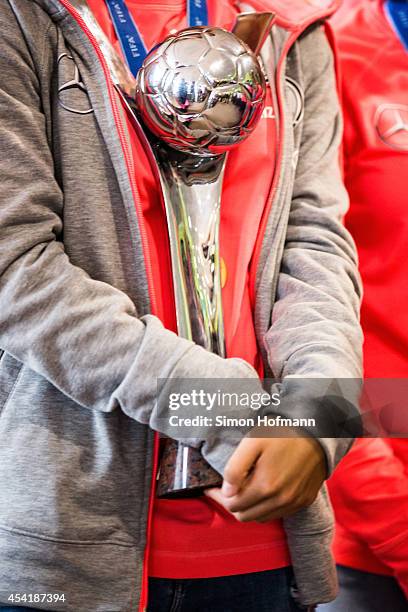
(269, 591)
(366, 592)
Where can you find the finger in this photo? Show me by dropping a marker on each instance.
(259, 486)
(216, 495)
(239, 466)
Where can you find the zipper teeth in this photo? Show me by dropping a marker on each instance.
(149, 274)
(279, 136)
(138, 204)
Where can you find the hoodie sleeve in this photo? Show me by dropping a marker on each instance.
(315, 330)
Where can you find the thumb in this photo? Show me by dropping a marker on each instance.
(239, 466)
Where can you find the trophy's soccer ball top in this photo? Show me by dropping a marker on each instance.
(202, 91)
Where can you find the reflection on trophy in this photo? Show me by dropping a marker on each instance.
(198, 94)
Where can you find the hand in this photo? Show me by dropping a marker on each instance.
(270, 478)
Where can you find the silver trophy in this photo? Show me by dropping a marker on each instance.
(198, 94)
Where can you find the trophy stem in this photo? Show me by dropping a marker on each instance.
(191, 187)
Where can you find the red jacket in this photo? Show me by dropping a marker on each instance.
(370, 488)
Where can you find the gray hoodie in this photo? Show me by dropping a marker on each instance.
(83, 363)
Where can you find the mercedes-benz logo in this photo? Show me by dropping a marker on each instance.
(391, 123)
(75, 83)
(296, 100)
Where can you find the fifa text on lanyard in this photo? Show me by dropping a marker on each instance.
(131, 41)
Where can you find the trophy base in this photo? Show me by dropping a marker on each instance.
(184, 472)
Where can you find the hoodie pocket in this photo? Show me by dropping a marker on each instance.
(70, 474)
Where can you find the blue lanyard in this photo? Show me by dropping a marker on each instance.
(131, 40)
(397, 12)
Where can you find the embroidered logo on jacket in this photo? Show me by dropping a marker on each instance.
(391, 123)
(296, 100)
(74, 84)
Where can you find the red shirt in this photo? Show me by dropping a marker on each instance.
(195, 537)
(370, 488)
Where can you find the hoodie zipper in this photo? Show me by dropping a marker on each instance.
(149, 274)
(272, 192)
(281, 135)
